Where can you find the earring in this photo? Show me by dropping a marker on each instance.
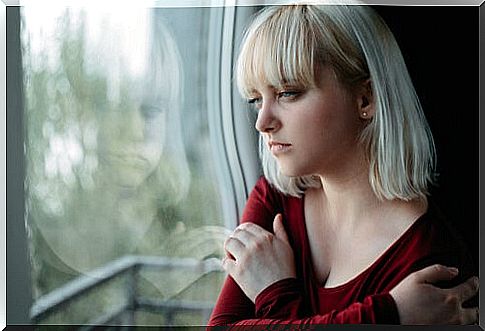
(364, 114)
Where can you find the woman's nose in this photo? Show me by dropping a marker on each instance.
(267, 120)
(134, 125)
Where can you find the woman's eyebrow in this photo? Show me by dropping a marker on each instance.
(151, 106)
(269, 86)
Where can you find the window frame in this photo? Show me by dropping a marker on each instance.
(19, 289)
(231, 124)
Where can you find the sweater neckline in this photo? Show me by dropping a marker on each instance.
(392, 247)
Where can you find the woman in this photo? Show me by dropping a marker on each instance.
(340, 229)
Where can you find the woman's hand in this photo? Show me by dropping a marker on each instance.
(419, 302)
(257, 258)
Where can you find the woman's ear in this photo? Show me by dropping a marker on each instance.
(366, 100)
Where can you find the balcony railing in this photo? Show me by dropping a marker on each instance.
(129, 266)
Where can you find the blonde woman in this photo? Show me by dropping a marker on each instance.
(340, 229)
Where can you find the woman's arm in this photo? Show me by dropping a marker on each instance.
(262, 269)
(281, 300)
(413, 301)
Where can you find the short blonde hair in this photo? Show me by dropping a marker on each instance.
(286, 44)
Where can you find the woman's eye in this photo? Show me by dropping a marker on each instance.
(255, 102)
(150, 112)
(288, 94)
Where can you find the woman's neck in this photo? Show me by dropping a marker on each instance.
(347, 198)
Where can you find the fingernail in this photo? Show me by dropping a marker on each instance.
(453, 270)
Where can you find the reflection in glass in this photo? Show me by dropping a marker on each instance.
(107, 169)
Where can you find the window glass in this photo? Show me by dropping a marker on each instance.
(118, 155)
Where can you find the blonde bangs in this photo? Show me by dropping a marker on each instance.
(278, 52)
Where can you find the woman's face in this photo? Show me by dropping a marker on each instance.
(125, 74)
(131, 138)
(309, 131)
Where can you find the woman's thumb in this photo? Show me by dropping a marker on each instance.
(279, 229)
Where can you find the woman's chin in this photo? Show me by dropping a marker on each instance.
(128, 178)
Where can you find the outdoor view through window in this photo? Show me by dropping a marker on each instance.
(118, 157)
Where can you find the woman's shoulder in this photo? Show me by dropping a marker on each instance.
(437, 238)
(441, 227)
(263, 183)
(264, 188)
(264, 202)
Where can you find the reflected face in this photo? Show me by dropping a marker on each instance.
(124, 76)
(130, 141)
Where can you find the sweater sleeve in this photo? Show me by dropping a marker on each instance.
(282, 302)
(279, 304)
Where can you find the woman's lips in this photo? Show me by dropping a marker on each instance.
(277, 147)
(127, 159)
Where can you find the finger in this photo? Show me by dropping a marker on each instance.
(229, 256)
(466, 290)
(435, 273)
(470, 315)
(279, 229)
(243, 236)
(260, 234)
(254, 229)
(228, 265)
(234, 247)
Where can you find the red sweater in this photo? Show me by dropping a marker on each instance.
(363, 299)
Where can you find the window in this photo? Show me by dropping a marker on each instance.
(121, 129)
(95, 83)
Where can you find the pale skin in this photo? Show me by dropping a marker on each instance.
(314, 131)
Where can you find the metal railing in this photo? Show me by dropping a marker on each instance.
(129, 266)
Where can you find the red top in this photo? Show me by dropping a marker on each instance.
(363, 299)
